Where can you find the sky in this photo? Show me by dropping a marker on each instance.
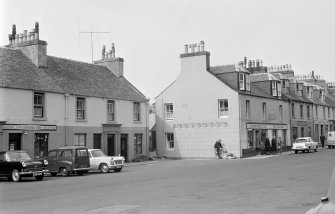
(150, 34)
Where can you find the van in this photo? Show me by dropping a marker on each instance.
(68, 160)
(331, 139)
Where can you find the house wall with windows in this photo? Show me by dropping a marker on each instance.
(196, 122)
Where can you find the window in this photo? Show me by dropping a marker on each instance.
(309, 132)
(247, 82)
(137, 110)
(308, 113)
(281, 112)
(169, 111)
(299, 89)
(82, 153)
(301, 111)
(292, 110)
(279, 89)
(264, 110)
(316, 112)
(274, 88)
(38, 105)
(96, 141)
(66, 154)
(138, 143)
(295, 133)
(241, 81)
(310, 92)
(302, 132)
(328, 112)
(80, 139)
(81, 108)
(322, 95)
(223, 108)
(170, 140)
(52, 154)
(324, 113)
(247, 109)
(110, 110)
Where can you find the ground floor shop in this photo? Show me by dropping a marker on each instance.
(257, 133)
(37, 140)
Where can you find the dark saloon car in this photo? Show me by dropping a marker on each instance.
(68, 160)
(17, 164)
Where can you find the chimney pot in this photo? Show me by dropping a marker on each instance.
(10, 38)
(16, 38)
(36, 27)
(113, 51)
(192, 48)
(25, 35)
(186, 48)
(32, 35)
(103, 52)
(202, 45)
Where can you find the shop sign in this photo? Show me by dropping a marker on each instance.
(302, 123)
(30, 127)
(265, 126)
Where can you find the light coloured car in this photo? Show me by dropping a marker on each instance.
(331, 139)
(327, 205)
(304, 144)
(103, 163)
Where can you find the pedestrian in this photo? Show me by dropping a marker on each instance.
(280, 144)
(322, 139)
(267, 145)
(218, 147)
(274, 145)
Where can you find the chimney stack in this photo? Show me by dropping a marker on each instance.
(114, 64)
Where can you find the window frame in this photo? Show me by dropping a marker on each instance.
(274, 88)
(281, 112)
(77, 141)
(138, 143)
(137, 111)
(292, 110)
(264, 110)
(82, 108)
(111, 113)
(308, 112)
(168, 111)
(247, 109)
(170, 144)
(241, 81)
(41, 105)
(301, 111)
(223, 111)
(247, 81)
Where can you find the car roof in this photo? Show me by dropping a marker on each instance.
(13, 151)
(93, 149)
(71, 147)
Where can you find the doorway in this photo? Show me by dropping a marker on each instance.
(111, 144)
(14, 140)
(124, 146)
(40, 145)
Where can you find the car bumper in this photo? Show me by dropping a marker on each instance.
(81, 169)
(300, 149)
(34, 172)
(115, 166)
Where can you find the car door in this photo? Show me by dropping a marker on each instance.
(52, 161)
(82, 159)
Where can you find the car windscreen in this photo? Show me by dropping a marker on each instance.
(81, 152)
(301, 140)
(98, 153)
(18, 156)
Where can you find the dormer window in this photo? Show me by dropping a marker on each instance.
(279, 89)
(299, 89)
(244, 81)
(285, 85)
(309, 92)
(322, 95)
(275, 88)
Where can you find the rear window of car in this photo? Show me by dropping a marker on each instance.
(300, 140)
(81, 152)
(66, 154)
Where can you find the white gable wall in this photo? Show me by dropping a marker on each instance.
(196, 124)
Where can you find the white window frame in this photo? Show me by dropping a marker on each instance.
(241, 80)
(223, 109)
(168, 111)
(274, 88)
(137, 111)
(169, 139)
(138, 143)
(247, 82)
(299, 89)
(322, 95)
(110, 110)
(309, 92)
(79, 139)
(39, 105)
(247, 109)
(80, 108)
(279, 89)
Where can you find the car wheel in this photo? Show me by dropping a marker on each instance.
(39, 177)
(303, 151)
(103, 168)
(118, 170)
(316, 149)
(64, 171)
(53, 173)
(296, 151)
(16, 177)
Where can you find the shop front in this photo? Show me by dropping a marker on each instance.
(257, 134)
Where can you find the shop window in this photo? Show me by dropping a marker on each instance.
(40, 145)
(96, 141)
(250, 139)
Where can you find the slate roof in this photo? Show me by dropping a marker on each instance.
(227, 69)
(63, 76)
(262, 77)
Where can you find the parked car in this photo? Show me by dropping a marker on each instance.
(304, 144)
(68, 160)
(104, 163)
(327, 205)
(331, 139)
(17, 164)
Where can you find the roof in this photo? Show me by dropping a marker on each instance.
(63, 76)
(227, 69)
(262, 77)
(280, 76)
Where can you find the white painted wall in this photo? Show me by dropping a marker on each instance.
(195, 96)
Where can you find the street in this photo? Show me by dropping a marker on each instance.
(286, 184)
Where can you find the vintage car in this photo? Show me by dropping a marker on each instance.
(327, 205)
(331, 139)
(68, 160)
(17, 164)
(103, 163)
(304, 144)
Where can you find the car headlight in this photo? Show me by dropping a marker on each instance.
(24, 164)
(45, 162)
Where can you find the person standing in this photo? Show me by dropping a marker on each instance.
(322, 139)
(274, 145)
(267, 145)
(218, 147)
(280, 144)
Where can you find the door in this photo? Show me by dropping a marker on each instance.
(40, 145)
(96, 141)
(111, 145)
(124, 146)
(82, 159)
(14, 140)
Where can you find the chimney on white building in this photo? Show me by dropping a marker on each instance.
(114, 64)
(196, 56)
(30, 44)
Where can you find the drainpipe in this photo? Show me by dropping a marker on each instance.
(240, 123)
(147, 126)
(66, 96)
